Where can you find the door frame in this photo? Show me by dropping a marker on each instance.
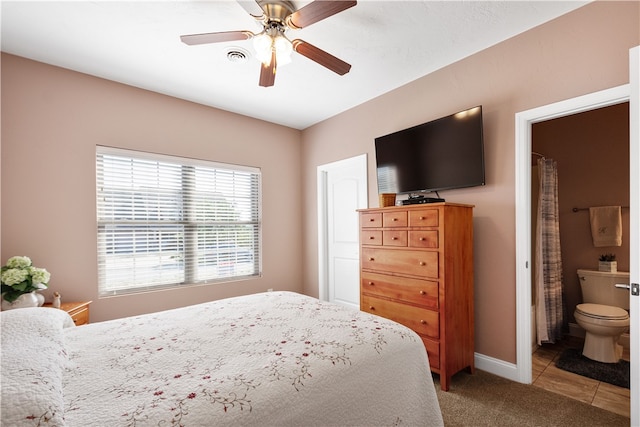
(634, 227)
(524, 121)
(323, 216)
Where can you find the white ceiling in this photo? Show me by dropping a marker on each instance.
(388, 44)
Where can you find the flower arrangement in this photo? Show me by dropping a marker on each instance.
(19, 277)
(607, 262)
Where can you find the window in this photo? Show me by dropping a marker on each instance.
(169, 221)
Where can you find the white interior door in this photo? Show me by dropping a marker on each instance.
(342, 189)
(634, 230)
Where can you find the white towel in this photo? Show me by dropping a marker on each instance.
(606, 226)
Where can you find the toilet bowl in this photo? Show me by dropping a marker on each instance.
(603, 325)
(603, 315)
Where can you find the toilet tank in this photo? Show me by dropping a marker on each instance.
(599, 287)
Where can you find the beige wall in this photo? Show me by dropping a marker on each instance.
(52, 120)
(592, 153)
(579, 53)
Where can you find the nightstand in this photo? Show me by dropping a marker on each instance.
(78, 310)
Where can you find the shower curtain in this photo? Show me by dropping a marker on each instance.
(548, 273)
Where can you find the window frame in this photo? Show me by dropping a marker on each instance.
(191, 228)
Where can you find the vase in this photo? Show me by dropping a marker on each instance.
(23, 301)
(40, 298)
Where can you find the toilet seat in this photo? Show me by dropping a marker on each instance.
(602, 312)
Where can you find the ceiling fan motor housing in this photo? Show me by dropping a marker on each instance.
(276, 11)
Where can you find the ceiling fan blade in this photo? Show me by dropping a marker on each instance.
(225, 36)
(268, 72)
(323, 58)
(252, 8)
(317, 11)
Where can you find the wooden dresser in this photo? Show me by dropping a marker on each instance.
(416, 267)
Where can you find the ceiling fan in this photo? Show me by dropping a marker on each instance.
(272, 46)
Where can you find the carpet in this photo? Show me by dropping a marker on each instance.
(486, 400)
(572, 360)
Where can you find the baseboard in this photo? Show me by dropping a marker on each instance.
(510, 370)
(497, 367)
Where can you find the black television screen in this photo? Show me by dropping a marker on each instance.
(441, 154)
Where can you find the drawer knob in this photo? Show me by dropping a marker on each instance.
(421, 239)
(421, 218)
(371, 307)
(394, 238)
(424, 322)
(423, 293)
(423, 263)
(371, 283)
(372, 219)
(371, 238)
(395, 219)
(370, 258)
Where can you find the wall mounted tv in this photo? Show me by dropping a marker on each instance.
(442, 154)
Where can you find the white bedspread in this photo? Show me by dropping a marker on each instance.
(33, 360)
(276, 358)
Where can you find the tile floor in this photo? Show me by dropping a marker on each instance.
(596, 393)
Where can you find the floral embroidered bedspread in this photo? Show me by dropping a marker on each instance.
(271, 359)
(33, 362)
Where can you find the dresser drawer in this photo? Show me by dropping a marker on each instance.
(371, 237)
(414, 291)
(395, 219)
(433, 351)
(423, 217)
(394, 238)
(423, 239)
(411, 262)
(369, 220)
(421, 320)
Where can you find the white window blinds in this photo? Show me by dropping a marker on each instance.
(168, 221)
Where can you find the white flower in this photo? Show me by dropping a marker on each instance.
(19, 262)
(13, 276)
(20, 277)
(39, 275)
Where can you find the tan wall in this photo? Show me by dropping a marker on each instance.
(579, 53)
(52, 120)
(592, 153)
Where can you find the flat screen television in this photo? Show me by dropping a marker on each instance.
(442, 154)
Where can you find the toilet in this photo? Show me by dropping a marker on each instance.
(603, 314)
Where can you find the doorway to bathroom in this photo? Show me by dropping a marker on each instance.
(591, 151)
(524, 120)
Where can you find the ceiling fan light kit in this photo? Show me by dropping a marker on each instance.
(272, 39)
(272, 47)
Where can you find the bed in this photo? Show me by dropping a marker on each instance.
(275, 358)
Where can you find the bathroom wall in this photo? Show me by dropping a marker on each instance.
(592, 152)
